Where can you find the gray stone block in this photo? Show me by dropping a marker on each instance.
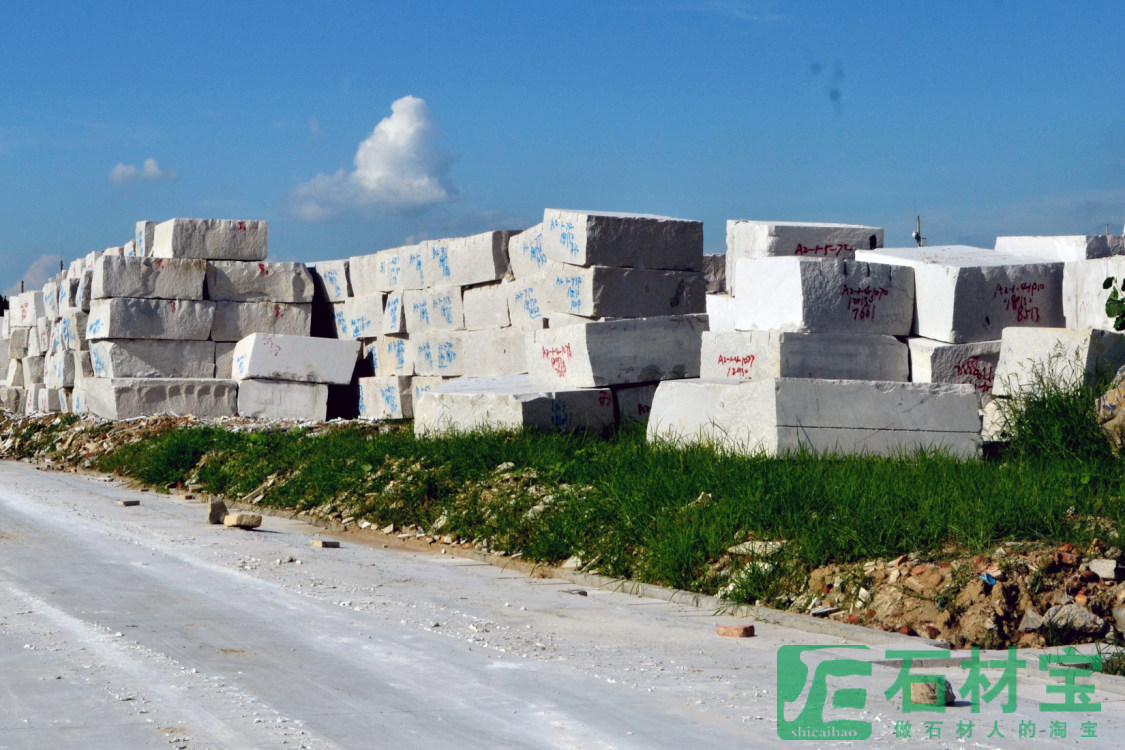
(272, 399)
(1032, 356)
(624, 240)
(130, 318)
(485, 307)
(616, 352)
(715, 272)
(304, 359)
(238, 281)
(34, 369)
(771, 239)
(235, 321)
(210, 239)
(388, 397)
(143, 238)
(972, 364)
(152, 358)
(753, 355)
(604, 292)
(148, 278)
(127, 398)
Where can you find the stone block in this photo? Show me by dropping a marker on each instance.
(771, 239)
(420, 384)
(83, 367)
(510, 403)
(303, 359)
(14, 378)
(1063, 248)
(971, 294)
(478, 354)
(623, 240)
(143, 238)
(85, 287)
(72, 329)
(116, 251)
(235, 321)
(715, 272)
(152, 358)
(1082, 293)
(77, 401)
(44, 326)
(148, 278)
(68, 295)
(51, 300)
(823, 296)
(242, 520)
(11, 399)
(210, 239)
(340, 320)
(5, 328)
(753, 355)
(780, 416)
(58, 370)
(31, 398)
(377, 273)
(275, 399)
(331, 280)
(362, 316)
(396, 355)
(972, 364)
(525, 253)
(634, 402)
(34, 368)
(616, 352)
(3, 351)
(438, 308)
(721, 312)
(25, 309)
(49, 399)
(485, 307)
(224, 359)
(465, 261)
(527, 306)
(386, 398)
(19, 340)
(127, 398)
(1031, 356)
(239, 281)
(129, 249)
(130, 318)
(394, 314)
(604, 292)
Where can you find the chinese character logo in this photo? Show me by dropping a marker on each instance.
(795, 691)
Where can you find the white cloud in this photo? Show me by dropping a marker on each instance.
(36, 275)
(399, 168)
(149, 171)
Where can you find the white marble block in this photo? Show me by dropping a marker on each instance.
(72, 329)
(31, 398)
(239, 281)
(510, 403)
(527, 305)
(25, 309)
(525, 252)
(1083, 294)
(58, 370)
(127, 398)
(130, 318)
(753, 355)
(433, 309)
(304, 359)
(1063, 356)
(49, 400)
(14, 377)
(721, 312)
(584, 238)
(331, 280)
(224, 359)
(938, 362)
(210, 239)
(972, 294)
(235, 321)
(485, 307)
(51, 300)
(362, 317)
(152, 358)
(768, 239)
(604, 292)
(85, 287)
(34, 370)
(275, 399)
(616, 352)
(394, 313)
(148, 278)
(420, 384)
(823, 296)
(465, 261)
(83, 367)
(143, 238)
(377, 273)
(492, 353)
(845, 417)
(1063, 247)
(396, 355)
(387, 397)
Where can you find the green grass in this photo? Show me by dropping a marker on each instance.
(630, 509)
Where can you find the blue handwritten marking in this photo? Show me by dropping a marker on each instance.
(428, 355)
(567, 237)
(445, 307)
(99, 366)
(447, 353)
(526, 299)
(390, 398)
(441, 255)
(422, 310)
(330, 277)
(397, 349)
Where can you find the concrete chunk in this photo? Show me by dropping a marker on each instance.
(616, 352)
(129, 318)
(485, 307)
(148, 278)
(778, 416)
(603, 292)
(1031, 356)
(510, 403)
(126, 398)
(239, 281)
(152, 358)
(266, 356)
(1063, 248)
(770, 239)
(585, 238)
(753, 355)
(971, 294)
(938, 362)
(823, 296)
(210, 239)
(235, 321)
(275, 399)
(386, 398)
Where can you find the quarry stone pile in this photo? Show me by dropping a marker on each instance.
(802, 335)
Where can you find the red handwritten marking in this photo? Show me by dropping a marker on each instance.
(861, 300)
(644, 408)
(173, 303)
(277, 312)
(738, 359)
(558, 356)
(824, 250)
(242, 226)
(605, 398)
(977, 373)
(262, 270)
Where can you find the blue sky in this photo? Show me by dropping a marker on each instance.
(992, 117)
